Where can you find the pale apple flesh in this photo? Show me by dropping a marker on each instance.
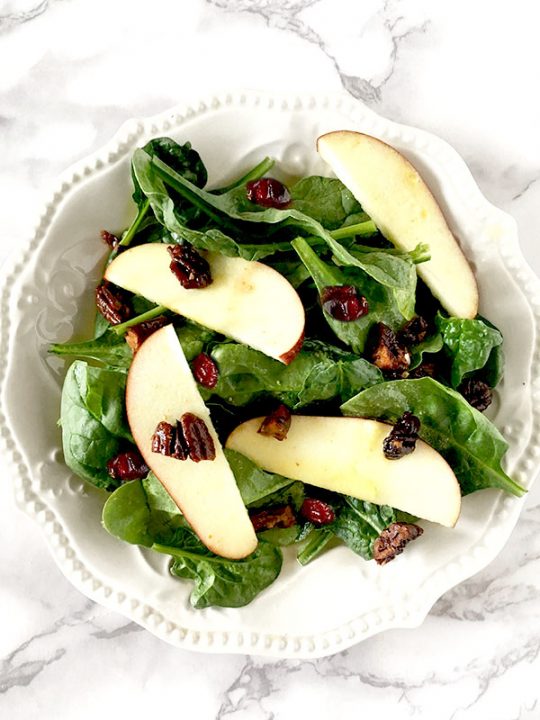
(345, 455)
(160, 386)
(397, 199)
(247, 301)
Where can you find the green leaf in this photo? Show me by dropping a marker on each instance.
(93, 421)
(326, 200)
(195, 338)
(432, 344)
(469, 344)
(318, 373)
(358, 524)
(382, 306)
(221, 582)
(469, 442)
(109, 349)
(254, 484)
(316, 542)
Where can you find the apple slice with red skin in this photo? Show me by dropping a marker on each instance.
(160, 387)
(402, 206)
(247, 301)
(345, 455)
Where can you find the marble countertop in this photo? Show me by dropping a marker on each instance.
(72, 72)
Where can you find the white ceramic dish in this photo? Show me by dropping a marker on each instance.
(47, 296)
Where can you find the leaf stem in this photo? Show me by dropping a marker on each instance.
(148, 315)
(364, 229)
(254, 174)
(132, 229)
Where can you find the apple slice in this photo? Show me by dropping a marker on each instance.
(247, 301)
(345, 455)
(160, 386)
(394, 195)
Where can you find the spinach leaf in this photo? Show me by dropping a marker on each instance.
(280, 536)
(254, 484)
(468, 441)
(326, 200)
(195, 338)
(469, 344)
(219, 581)
(316, 542)
(318, 373)
(93, 421)
(142, 512)
(110, 349)
(382, 306)
(360, 523)
(432, 344)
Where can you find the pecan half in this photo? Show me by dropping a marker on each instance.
(392, 541)
(164, 438)
(387, 353)
(198, 440)
(402, 438)
(113, 303)
(477, 393)
(413, 332)
(109, 239)
(277, 424)
(281, 516)
(136, 335)
(189, 266)
(127, 466)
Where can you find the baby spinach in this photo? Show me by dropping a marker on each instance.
(469, 442)
(110, 349)
(93, 421)
(469, 344)
(318, 373)
(217, 580)
(326, 200)
(431, 345)
(254, 483)
(315, 543)
(358, 524)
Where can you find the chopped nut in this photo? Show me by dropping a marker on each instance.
(387, 352)
(127, 466)
(392, 541)
(112, 302)
(197, 438)
(109, 239)
(402, 438)
(281, 516)
(413, 332)
(277, 424)
(189, 266)
(163, 439)
(477, 393)
(136, 335)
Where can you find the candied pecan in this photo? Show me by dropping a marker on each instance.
(277, 424)
(189, 266)
(344, 302)
(109, 239)
(136, 335)
(197, 438)
(281, 516)
(113, 303)
(392, 541)
(268, 192)
(413, 332)
(477, 393)
(387, 353)
(163, 439)
(317, 511)
(402, 438)
(127, 466)
(205, 371)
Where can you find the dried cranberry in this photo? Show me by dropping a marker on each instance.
(189, 266)
(136, 335)
(277, 424)
(477, 393)
(343, 302)
(402, 438)
(109, 239)
(127, 466)
(205, 371)
(113, 303)
(317, 511)
(393, 539)
(268, 192)
(281, 516)
(413, 332)
(198, 440)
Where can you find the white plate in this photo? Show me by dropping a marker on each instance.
(47, 296)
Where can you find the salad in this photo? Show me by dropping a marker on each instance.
(282, 364)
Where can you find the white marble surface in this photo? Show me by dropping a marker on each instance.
(71, 71)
